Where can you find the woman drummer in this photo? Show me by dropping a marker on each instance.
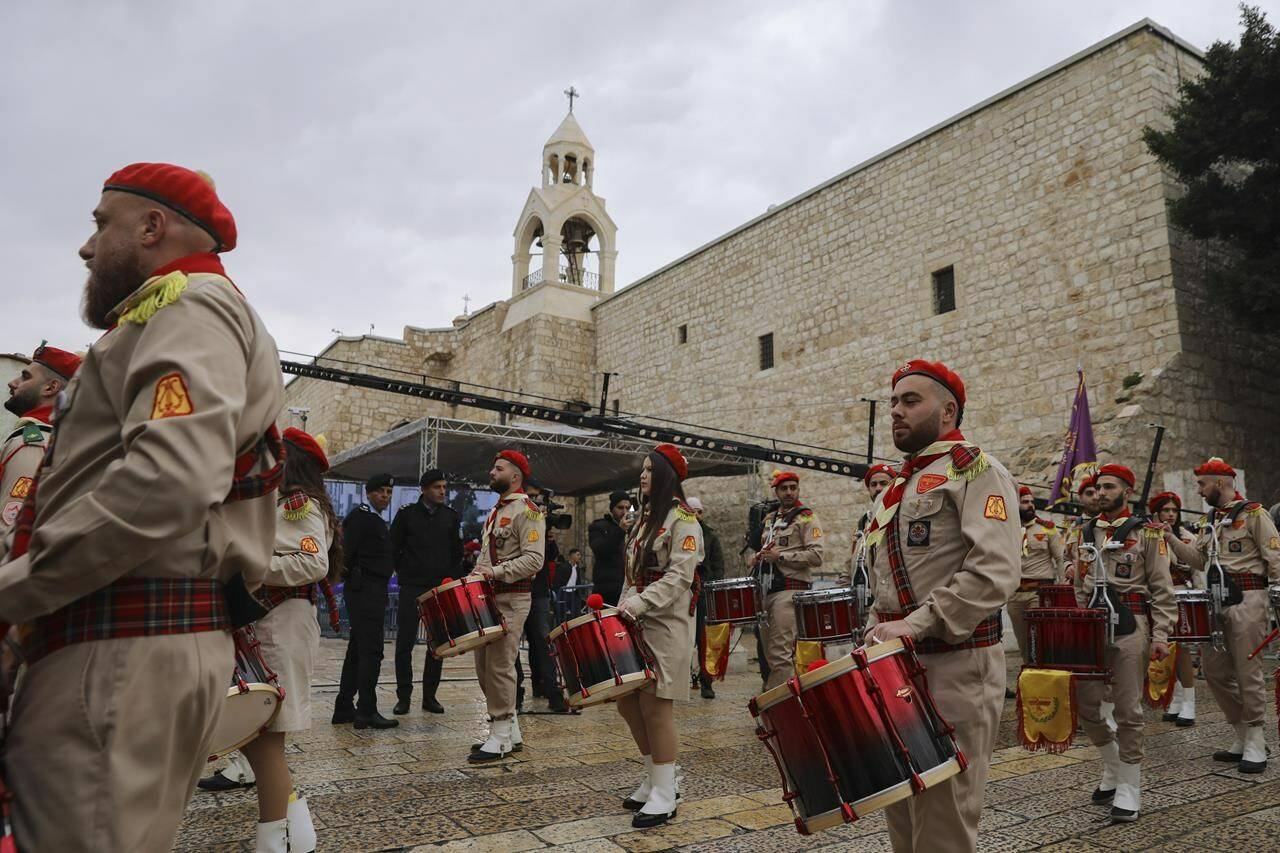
(307, 546)
(1166, 509)
(662, 550)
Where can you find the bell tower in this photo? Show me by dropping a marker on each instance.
(564, 238)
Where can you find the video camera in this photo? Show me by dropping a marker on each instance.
(755, 522)
(557, 518)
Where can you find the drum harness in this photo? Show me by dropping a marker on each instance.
(1223, 591)
(1120, 620)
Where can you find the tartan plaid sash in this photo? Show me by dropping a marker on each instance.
(524, 586)
(649, 577)
(988, 633)
(246, 486)
(272, 597)
(1248, 580)
(130, 607)
(1136, 602)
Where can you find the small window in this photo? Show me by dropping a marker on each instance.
(944, 290)
(615, 407)
(766, 351)
(682, 334)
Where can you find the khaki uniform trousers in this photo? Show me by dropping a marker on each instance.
(1017, 606)
(1237, 683)
(496, 662)
(780, 637)
(110, 737)
(1128, 659)
(967, 687)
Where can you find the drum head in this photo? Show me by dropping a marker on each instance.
(244, 716)
(468, 642)
(822, 596)
(608, 691)
(729, 583)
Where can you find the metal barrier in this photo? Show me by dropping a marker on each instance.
(390, 619)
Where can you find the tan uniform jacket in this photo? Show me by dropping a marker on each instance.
(147, 438)
(961, 543)
(677, 551)
(1250, 544)
(518, 530)
(799, 543)
(301, 553)
(20, 456)
(1041, 550)
(1141, 566)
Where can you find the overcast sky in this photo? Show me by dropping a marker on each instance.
(376, 155)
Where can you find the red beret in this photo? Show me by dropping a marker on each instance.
(1118, 471)
(1215, 467)
(1153, 505)
(516, 458)
(935, 370)
(673, 455)
(1090, 482)
(308, 445)
(780, 477)
(1024, 490)
(61, 362)
(878, 468)
(184, 191)
(472, 546)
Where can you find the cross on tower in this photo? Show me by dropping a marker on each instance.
(571, 93)
(466, 306)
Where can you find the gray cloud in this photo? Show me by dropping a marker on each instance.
(376, 155)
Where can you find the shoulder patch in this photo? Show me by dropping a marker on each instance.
(171, 398)
(296, 506)
(10, 512)
(309, 545)
(1274, 544)
(995, 508)
(505, 521)
(160, 294)
(33, 434)
(533, 536)
(815, 532)
(21, 488)
(928, 482)
(689, 544)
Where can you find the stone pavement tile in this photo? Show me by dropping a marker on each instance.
(761, 817)
(777, 840)
(1035, 761)
(1202, 787)
(536, 814)
(568, 832)
(1230, 837)
(673, 835)
(1272, 815)
(768, 796)
(591, 845)
(538, 791)
(993, 820)
(1072, 845)
(700, 785)
(500, 842)
(390, 834)
(695, 809)
(199, 845)
(306, 776)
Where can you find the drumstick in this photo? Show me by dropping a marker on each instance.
(1275, 632)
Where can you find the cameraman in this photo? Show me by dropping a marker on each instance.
(607, 538)
(542, 670)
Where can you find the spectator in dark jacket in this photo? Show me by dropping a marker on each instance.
(427, 539)
(607, 537)
(710, 569)
(542, 670)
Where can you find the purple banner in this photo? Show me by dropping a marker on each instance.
(1079, 454)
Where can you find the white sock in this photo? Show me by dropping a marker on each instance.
(1188, 709)
(273, 837)
(662, 799)
(641, 793)
(302, 832)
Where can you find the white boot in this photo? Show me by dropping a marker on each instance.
(302, 832)
(498, 744)
(1107, 710)
(273, 837)
(1254, 757)
(1128, 801)
(640, 795)
(1110, 753)
(239, 770)
(1175, 705)
(661, 805)
(1187, 713)
(517, 739)
(1236, 752)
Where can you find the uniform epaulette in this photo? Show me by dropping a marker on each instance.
(804, 514)
(1151, 530)
(296, 506)
(1253, 508)
(967, 463)
(1046, 523)
(159, 294)
(34, 433)
(684, 512)
(531, 510)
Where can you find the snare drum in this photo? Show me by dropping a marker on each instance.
(1070, 638)
(855, 735)
(828, 615)
(737, 601)
(1194, 624)
(1058, 595)
(460, 616)
(253, 700)
(600, 658)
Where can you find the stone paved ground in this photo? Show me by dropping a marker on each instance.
(411, 787)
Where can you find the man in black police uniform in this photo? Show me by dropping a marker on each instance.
(607, 537)
(366, 544)
(542, 669)
(427, 540)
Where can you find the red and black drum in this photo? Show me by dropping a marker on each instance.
(826, 615)
(856, 735)
(600, 657)
(1070, 638)
(1194, 623)
(1058, 595)
(737, 601)
(253, 699)
(460, 616)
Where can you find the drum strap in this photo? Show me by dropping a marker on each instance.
(131, 607)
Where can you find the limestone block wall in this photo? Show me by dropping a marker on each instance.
(1049, 209)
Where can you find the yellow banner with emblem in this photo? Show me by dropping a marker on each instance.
(1046, 709)
(807, 651)
(1162, 677)
(715, 645)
